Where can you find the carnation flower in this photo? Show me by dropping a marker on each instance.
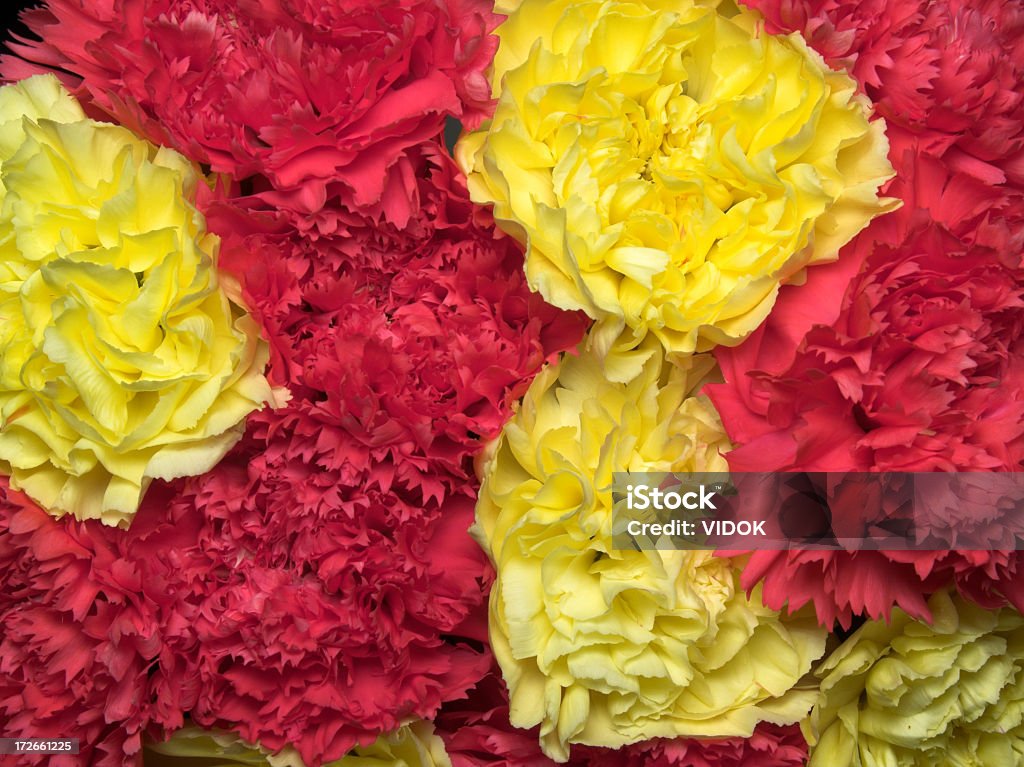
(351, 616)
(892, 371)
(478, 733)
(607, 647)
(412, 745)
(111, 634)
(669, 167)
(950, 71)
(123, 357)
(917, 694)
(347, 593)
(901, 382)
(305, 101)
(431, 327)
(95, 628)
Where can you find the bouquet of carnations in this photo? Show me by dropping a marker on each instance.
(326, 327)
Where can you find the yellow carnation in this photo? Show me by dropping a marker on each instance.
(413, 745)
(607, 647)
(916, 695)
(122, 357)
(669, 164)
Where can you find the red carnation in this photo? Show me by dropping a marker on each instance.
(303, 101)
(914, 365)
(431, 324)
(95, 628)
(345, 593)
(334, 607)
(949, 71)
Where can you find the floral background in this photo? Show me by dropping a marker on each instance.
(324, 326)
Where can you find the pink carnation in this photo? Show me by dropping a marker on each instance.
(477, 733)
(950, 71)
(303, 102)
(319, 640)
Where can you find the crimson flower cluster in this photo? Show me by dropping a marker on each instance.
(404, 350)
(319, 586)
